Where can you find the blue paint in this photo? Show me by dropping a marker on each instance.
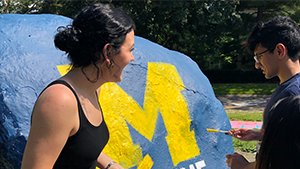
(157, 148)
(12, 146)
(140, 74)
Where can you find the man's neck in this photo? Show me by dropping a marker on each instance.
(289, 70)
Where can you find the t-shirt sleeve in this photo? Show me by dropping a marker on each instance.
(291, 91)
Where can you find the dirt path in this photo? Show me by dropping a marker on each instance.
(244, 102)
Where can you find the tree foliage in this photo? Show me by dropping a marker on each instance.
(211, 32)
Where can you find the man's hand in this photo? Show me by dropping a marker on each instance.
(236, 161)
(245, 134)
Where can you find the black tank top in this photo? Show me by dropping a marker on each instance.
(83, 148)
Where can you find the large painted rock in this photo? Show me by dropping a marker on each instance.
(157, 116)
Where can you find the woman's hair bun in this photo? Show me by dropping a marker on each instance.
(67, 38)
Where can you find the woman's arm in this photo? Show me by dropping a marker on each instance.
(54, 119)
(105, 162)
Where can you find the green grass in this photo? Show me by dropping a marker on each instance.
(233, 115)
(246, 146)
(264, 89)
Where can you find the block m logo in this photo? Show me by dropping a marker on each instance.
(162, 95)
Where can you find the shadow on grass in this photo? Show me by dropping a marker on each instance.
(254, 89)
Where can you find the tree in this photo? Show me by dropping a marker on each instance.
(197, 28)
(211, 32)
(253, 11)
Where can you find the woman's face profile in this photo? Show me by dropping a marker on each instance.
(123, 58)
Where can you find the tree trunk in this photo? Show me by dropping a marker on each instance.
(260, 11)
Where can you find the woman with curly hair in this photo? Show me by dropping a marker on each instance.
(67, 126)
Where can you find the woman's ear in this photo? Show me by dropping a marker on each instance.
(105, 53)
(280, 50)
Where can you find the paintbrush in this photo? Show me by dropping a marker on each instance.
(214, 130)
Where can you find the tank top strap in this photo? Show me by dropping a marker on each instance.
(80, 110)
(66, 84)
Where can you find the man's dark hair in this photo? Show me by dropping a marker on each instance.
(280, 29)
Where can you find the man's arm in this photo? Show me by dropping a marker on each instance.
(251, 165)
(237, 161)
(246, 134)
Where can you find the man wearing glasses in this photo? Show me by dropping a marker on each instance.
(276, 46)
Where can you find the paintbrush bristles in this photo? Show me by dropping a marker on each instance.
(211, 130)
(214, 130)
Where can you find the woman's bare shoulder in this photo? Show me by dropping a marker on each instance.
(57, 102)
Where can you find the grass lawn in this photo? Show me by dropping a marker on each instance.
(263, 89)
(233, 115)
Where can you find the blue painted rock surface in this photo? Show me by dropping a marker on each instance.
(157, 115)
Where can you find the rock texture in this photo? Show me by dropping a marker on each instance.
(157, 116)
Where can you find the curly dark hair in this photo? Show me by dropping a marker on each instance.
(280, 146)
(93, 27)
(280, 29)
